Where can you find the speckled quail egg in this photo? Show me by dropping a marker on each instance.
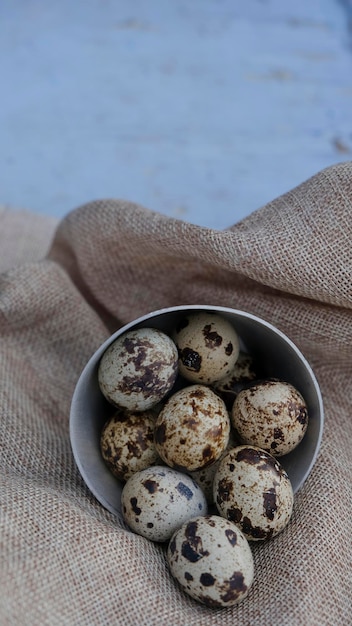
(138, 369)
(244, 372)
(192, 430)
(208, 347)
(127, 442)
(212, 561)
(271, 415)
(158, 500)
(252, 489)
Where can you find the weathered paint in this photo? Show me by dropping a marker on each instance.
(201, 110)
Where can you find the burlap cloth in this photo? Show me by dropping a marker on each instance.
(64, 558)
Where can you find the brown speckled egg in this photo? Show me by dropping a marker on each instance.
(138, 369)
(158, 500)
(252, 489)
(192, 430)
(127, 442)
(212, 561)
(271, 415)
(208, 347)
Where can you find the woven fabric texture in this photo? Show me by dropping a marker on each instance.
(64, 559)
(24, 236)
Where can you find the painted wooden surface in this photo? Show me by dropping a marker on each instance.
(202, 110)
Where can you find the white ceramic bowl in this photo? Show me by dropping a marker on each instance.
(278, 356)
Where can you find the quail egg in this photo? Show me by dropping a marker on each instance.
(138, 369)
(127, 442)
(271, 415)
(192, 429)
(252, 489)
(158, 500)
(212, 561)
(208, 347)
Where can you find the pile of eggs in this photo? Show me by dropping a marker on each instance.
(196, 436)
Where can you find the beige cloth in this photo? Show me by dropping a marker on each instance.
(65, 559)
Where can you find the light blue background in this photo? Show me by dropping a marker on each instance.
(203, 110)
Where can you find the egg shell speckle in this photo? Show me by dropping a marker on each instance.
(212, 561)
(271, 415)
(193, 428)
(205, 476)
(243, 373)
(252, 489)
(208, 347)
(138, 369)
(127, 442)
(158, 500)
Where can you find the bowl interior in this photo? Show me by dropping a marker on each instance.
(277, 355)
